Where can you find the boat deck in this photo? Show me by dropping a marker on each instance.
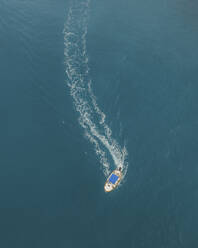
(113, 181)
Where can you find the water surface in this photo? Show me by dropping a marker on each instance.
(143, 67)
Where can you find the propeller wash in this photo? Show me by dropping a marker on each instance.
(91, 118)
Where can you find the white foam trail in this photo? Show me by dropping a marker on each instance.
(91, 118)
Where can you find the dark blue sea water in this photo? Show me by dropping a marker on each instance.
(141, 60)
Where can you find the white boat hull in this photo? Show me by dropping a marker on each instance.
(110, 184)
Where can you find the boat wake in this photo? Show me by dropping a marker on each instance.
(91, 118)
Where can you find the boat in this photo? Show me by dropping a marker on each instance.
(113, 180)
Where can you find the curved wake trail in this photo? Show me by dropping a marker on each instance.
(91, 118)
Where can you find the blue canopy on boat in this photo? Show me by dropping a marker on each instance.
(113, 178)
